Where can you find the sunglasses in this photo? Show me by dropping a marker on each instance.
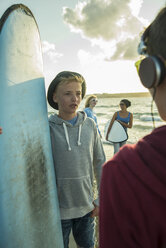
(94, 100)
(122, 103)
(142, 50)
(137, 64)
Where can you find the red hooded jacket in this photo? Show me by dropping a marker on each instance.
(133, 195)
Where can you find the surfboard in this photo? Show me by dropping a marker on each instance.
(117, 133)
(29, 210)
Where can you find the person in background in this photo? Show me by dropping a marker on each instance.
(133, 184)
(90, 103)
(126, 120)
(0, 130)
(77, 154)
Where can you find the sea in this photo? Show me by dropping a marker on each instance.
(141, 109)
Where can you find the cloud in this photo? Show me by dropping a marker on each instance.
(86, 58)
(115, 22)
(49, 52)
(50, 61)
(126, 49)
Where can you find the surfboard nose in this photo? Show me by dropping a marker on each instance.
(19, 28)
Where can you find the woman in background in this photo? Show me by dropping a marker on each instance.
(125, 118)
(90, 103)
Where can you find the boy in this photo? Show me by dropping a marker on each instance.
(77, 152)
(133, 186)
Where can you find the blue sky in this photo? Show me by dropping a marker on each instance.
(97, 38)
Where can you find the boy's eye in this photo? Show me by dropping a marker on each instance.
(69, 93)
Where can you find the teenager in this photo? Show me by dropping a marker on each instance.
(78, 154)
(125, 118)
(90, 104)
(133, 186)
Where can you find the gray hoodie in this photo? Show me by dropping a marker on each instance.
(78, 154)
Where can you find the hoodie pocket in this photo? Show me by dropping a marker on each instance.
(75, 192)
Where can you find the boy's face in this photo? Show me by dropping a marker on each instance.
(68, 96)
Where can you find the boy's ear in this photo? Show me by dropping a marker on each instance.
(54, 97)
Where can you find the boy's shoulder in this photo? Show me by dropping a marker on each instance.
(52, 117)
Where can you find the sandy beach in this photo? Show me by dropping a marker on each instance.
(109, 150)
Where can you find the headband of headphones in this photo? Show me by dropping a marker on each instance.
(152, 68)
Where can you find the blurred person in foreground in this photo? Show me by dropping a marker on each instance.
(133, 184)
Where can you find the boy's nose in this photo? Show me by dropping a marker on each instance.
(74, 97)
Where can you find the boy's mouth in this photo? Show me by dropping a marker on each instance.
(73, 105)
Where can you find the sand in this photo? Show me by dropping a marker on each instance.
(109, 150)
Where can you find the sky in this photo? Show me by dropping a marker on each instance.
(97, 38)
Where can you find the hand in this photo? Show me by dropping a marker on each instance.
(120, 122)
(0, 130)
(95, 211)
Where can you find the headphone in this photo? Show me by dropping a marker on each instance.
(152, 69)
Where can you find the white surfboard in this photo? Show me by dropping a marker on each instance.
(29, 210)
(117, 133)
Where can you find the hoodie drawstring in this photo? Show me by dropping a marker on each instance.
(79, 135)
(67, 136)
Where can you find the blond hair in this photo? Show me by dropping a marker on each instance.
(87, 102)
(155, 35)
(66, 80)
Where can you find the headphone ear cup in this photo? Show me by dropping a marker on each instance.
(151, 71)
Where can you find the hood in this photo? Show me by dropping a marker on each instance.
(81, 117)
(58, 121)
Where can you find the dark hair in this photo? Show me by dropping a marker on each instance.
(126, 102)
(155, 35)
